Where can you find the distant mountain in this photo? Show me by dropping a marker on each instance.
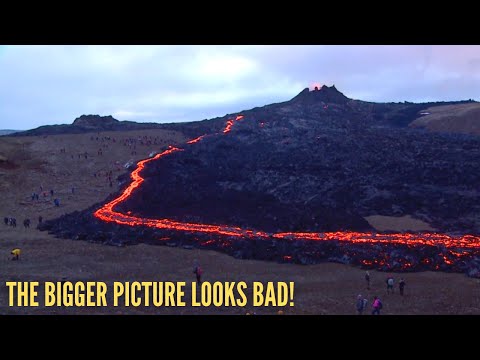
(384, 114)
(7, 132)
(87, 124)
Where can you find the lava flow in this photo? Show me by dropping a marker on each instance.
(449, 249)
(230, 123)
(197, 139)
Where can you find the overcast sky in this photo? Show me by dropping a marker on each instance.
(42, 85)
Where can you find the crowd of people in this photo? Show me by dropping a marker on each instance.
(130, 142)
(10, 221)
(377, 305)
(42, 196)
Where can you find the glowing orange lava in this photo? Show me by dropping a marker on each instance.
(230, 124)
(197, 139)
(458, 245)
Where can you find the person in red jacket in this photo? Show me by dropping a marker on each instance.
(376, 306)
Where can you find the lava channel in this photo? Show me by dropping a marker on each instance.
(453, 249)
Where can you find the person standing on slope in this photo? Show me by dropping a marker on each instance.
(16, 254)
(389, 285)
(376, 306)
(198, 273)
(361, 304)
(401, 286)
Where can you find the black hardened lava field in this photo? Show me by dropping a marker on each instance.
(294, 181)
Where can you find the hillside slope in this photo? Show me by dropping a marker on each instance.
(462, 118)
(320, 162)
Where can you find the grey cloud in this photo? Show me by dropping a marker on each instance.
(55, 84)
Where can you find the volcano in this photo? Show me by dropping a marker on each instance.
(294, 181)
(324, 94)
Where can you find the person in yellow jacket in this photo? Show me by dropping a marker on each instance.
(16, 254)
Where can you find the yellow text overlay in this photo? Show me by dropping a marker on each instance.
(149, 293)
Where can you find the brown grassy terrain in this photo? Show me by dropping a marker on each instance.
(463, 118)
(398, 223)
(320, 289)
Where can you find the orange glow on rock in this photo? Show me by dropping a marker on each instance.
(230, 123)
(228, 127)
(197, 139)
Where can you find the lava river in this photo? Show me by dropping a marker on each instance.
(445, 252)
